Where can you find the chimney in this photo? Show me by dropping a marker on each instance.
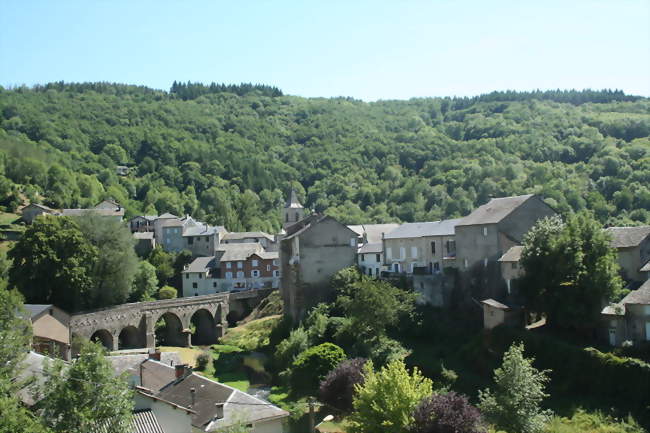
(181, 370)
(154, 354)
(219, 410)
(193, 395)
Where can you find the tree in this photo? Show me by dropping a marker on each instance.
(167, 292)
(372, 305)
(85, 395)
(384, 403)
(52, 264)
(164, 263)
(337, 389)
(145, 282)
(447, 413)
(312, 365)
(116, 264)
(514, 405)
(570, 270)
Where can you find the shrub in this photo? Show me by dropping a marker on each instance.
(202, 360)
(387, 398)
(446, 413)
(167, 292)
(287, 350)
(337, 389)
(592, 423)
(515, 403)
(312, 365)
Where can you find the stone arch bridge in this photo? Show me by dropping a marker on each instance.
(192, 320)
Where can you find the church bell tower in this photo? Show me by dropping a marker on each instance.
(293, 211)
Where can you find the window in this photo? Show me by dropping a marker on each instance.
(353, 242)
(485, 262)
(275, 262)
(396, 267)
(214, 284)
(187, 276)
(228, 265)
(195, 285)
(370, 271)
(276, 273)
(433, 247)
(176, 231)
(378, 258)
(514, 265)
(508, 286)
(484, 231)
(466, 264)
(414, 252)
(255, 274)
(297, 216)
(647, 309)
(411, 266)
(240, 274)
(363, 257)
(436, 267)
(389, 253)
(402, 253)
(229, 275)
(268, 268)
(451, 247)
(240, 265)
(168, 240)
(286, 218)
(200, 276)
(190, 240)
(207, 239)
(255, 263)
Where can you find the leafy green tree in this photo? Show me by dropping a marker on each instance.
(53, 264)
(167, 292)
(164, 263)
(85, 395)
(515, 403)
(116, 264)
(312, 365)
(384, 403)
(145, 282)
(570, 270)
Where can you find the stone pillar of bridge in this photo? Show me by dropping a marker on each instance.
(115, 341)
(150, 330)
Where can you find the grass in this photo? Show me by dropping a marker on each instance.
(252, 335)
(7, 218)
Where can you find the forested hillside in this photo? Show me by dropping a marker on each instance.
(228, 154)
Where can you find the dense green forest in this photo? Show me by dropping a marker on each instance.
(228, 154)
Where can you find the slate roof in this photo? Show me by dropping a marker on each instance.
(145, 421)
(495, 304)
(418, 230)
(614, 310)
(167, 215)
(237, 252)
(36, 309)
(246, 235)
(122, 363)
(628, 237)
(371, 248)
(41, 206)
(268, 255)
(100, 212)
(201, 264)
(646, 267)
(373, 232)
(293, 202)
(494, 211)
(512, 255)
(155, 374)
(638, 296)
(200, 229)
(32, 368)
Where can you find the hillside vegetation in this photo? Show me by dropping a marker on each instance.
(228, 154)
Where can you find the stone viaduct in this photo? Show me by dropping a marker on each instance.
(194, 320)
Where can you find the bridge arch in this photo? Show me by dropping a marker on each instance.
(104, 337)
(204, 327)
(130, 337)
(169, 330)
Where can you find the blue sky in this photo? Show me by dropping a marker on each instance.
(365, 49)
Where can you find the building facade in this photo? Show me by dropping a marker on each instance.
(633, 249)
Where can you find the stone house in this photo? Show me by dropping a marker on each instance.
(428, 247)
(106, 209)
(372, 233)
(511, 270)
(633, 247)
(487, 233)
(199, 238)
(312, 251)
(142, 223)
(162, 221)
(495, 313)
(51, 330)
(214, 406)
(144, 243)
(234, 267)
(370, 259)
(629, 320)
(266, 240)
(32, 210)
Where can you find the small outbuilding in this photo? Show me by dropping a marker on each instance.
(495, 313)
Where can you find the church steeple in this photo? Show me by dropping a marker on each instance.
(293, 210)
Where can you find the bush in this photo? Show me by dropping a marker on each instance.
(447, 413)
(202, 360)
(337, 389)
(167, 292)
(592, 423)
(312, 365)
(287, 350)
